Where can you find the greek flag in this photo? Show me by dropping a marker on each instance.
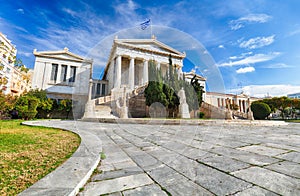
(145, 24)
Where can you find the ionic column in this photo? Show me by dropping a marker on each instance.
(145, 72)
(158, 65)
(131, 73)
(118, 72)
(58, 74)
(68, 72)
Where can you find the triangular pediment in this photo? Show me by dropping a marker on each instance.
(63, 54)
(149, 45)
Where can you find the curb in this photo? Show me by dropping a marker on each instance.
(68, 178)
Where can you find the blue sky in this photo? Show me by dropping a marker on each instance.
(255, 44)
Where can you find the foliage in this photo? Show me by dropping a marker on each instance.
(19, 64)
(27, 107)
(201, 114)
(7, 103)
(65, 105)
(282, 104)
(260, 110)
(198, 89)
(29, 153)
(164, 89)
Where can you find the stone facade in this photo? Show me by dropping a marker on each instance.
(128, 62)
(63, 75)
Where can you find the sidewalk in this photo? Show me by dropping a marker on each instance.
(158, 159)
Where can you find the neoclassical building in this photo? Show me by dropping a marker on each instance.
(128, 62)
(65, 75)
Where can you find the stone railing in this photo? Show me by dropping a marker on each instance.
(102, 100)
(212, 111)
(122, 111)
(240, 114)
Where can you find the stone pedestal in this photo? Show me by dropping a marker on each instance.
(183, 106)
(228, 114)
(89, 110)
(184, 111)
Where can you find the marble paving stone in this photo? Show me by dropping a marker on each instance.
(209, 178)
(124, 164)
(263, 150)
(46, 191)
(256, 191)
(223, 163)
(291, 156)
(117, 173)
(117, 184)
(229, 143)
(244, 156)
(145, 160)
(282, 146)
(270, 180)
(163, 155)
(116, 157)
(286, 167)
(175, 183)
(153, 190)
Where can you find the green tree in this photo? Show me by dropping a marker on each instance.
(65, 105)
(278, 103)
(45, 104)
(7, 104)
(19, 64)
(26, 107)
(198, 89)
(260, 110)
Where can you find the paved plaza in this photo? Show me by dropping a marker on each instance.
(207, 159)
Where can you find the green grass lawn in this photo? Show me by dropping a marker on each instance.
(29, 153)
(295, 121)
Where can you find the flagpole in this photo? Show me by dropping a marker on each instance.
(150, 28)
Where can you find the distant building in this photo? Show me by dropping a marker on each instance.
(294, 96)
(223, 101)
(201, 80)
(20, 81)
(14, 80)
(7, 56)
(63, 75)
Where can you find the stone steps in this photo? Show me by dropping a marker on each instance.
(103, 111)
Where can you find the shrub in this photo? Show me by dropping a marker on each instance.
(260, 110)
(26, 107)
(201, 114)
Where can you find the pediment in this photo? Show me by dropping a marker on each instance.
(149, 45)
(64, 55)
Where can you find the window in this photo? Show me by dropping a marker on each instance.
(63, 75)
(98, 89)
(103, 89)
(72, 74)
(54, 72)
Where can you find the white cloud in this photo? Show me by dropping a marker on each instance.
(270, 90)
(27, 54)
(257, 58)
(221, 46)
(295, 32)
(245, 70)
(257, 42)
(277, 66)
(251, 18)
(20, 10)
